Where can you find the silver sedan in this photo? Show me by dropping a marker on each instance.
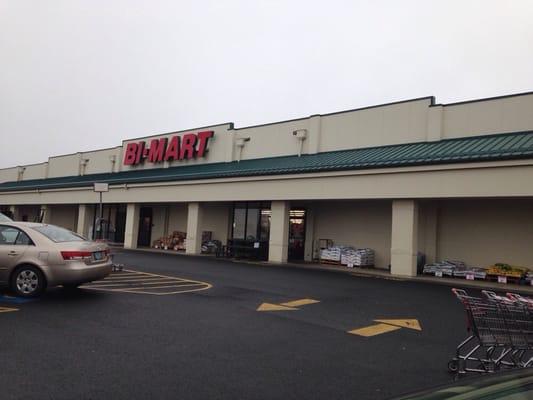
(36, 256)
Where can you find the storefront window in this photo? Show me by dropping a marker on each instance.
(251, 221)
(239, 221)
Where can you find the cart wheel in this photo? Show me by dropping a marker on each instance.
(452, 366)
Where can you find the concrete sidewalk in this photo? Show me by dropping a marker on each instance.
(364, 272)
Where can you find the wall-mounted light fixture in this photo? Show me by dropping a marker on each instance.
(83, 165)
(20, 173)
(301, 135)
(240, 142)
(113, 160)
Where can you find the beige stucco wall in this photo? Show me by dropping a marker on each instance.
(64, 165)
(272, 140)
(177, 220)
(356, 223)
(402, 122)
(100, 160)
(510, 114)
(484, 232)
(215, 218)
(159, 218)
(65, 215)
(35, 171)
(8, 174)
(398, 123)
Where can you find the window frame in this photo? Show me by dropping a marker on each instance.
(30, 243)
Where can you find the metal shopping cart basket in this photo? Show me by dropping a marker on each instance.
(500, 331)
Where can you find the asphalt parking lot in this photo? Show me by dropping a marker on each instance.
(198, 328)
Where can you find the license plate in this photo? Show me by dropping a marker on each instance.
(99, 255)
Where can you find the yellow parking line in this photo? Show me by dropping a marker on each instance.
(143, 282)
(152, 282)
(144, 278)
(127, 278)
(159, 287)
(208, 286)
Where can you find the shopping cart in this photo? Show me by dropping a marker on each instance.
(500, 334)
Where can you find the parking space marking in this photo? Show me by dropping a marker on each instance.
(129, 281)
(6, 309)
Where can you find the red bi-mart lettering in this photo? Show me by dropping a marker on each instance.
(183, 147)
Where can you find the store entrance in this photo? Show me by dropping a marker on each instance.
(296, 235)
(145, 227)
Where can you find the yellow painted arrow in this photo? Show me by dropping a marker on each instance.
(274, 307)
(402, 323)
(386, 325)
(288, 306)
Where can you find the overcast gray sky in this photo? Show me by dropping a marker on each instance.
(81, 75)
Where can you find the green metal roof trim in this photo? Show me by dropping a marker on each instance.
(516, 145)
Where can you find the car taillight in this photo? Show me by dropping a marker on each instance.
(76, 255)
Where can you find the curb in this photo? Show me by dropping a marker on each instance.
(377, 274)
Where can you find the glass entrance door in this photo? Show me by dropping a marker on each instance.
(296, 234)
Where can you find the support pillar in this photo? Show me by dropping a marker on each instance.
(309, 234)
(404, 241)
(83, 220)
(279, 232)
(47, 214)
(131, 232)
(193, 243)
(14, 213)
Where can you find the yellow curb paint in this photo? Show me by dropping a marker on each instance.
(6, 309)
(374, 330)
(274, 307)
(403, 323)
(297, 303)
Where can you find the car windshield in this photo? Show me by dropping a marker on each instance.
(58, 234)
(5, 218)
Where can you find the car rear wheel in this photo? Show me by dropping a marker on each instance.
(28, 281)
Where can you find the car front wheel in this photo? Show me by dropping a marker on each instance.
(28, 281)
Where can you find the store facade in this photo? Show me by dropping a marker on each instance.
(405, 179)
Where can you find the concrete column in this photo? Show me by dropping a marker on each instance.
(193, 243)
(14, 213)
(132, 226)
(47, 211)
(279, 232)
(83, 220)
(404, 241)
(309, 233)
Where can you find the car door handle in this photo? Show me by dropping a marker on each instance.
(13, 253)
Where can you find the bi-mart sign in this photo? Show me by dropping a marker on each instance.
(191, 145)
